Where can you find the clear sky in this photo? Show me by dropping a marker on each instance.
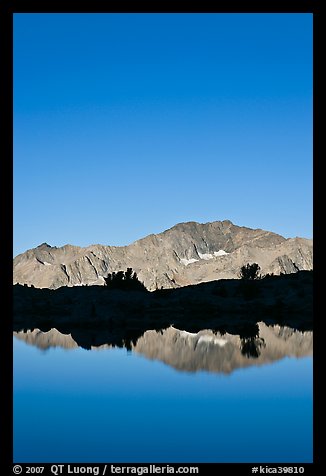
(126, 124)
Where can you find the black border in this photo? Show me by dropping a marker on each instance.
(100, 6)
(317, 246)
(6, 234)
(7, 9)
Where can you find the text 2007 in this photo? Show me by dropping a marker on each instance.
(34, 469)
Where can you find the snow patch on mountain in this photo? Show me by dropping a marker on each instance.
(213, 340)
(207, 256)
(188, 261)
(220, 253)
(185, 333)
(204, 256)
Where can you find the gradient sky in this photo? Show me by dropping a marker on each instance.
(126, 124)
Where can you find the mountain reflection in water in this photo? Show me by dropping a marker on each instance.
(206, 350)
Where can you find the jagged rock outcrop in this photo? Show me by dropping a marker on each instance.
(204, 350)
(188, 253)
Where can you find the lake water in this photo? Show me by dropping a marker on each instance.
(174, 398)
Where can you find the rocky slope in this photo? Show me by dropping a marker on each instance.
(188, 253)
(204, 350)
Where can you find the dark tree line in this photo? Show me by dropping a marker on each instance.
(126, 280)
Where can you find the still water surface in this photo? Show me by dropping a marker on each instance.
(110, 405)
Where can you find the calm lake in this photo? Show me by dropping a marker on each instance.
(175, 397)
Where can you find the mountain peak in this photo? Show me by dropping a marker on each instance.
(188, 253)
(43, 245)
(227, 222)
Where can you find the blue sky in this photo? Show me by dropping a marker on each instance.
(126, 124)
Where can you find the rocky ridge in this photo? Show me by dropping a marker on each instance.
(188, 253)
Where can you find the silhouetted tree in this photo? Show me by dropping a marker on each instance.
(251, 347)
(128, 274)
(248, 330)
(120, 276)
(126, 280)
(250, 272)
